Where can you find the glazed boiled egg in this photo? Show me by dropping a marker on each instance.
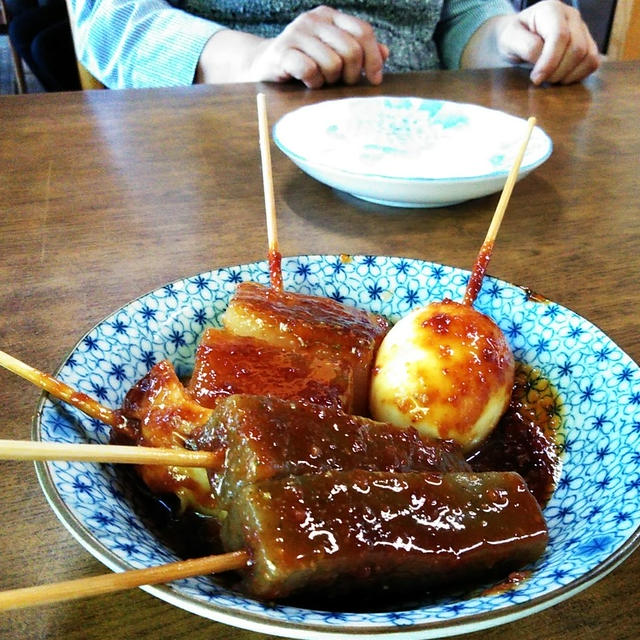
(445, 369)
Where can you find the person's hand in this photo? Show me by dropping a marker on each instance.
(552, 37)
(321, 46)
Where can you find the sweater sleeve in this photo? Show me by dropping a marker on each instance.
(138, 43)
(460, 19)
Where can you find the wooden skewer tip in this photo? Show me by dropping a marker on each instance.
(484, 255)
(60, 390)
(111, 582)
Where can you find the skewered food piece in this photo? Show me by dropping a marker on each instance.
(227, 363)
(262, 437)
(313, 324)
(160, 413)
(445, 369)
(363, 530)
(266, 437)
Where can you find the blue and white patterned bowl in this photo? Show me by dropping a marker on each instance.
(408, 152)
(593, 517)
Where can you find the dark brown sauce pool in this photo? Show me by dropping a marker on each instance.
(528, 439)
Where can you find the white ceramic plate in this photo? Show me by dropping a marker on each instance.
(593, 518)
(408, 152)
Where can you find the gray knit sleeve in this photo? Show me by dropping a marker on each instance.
(459, 21)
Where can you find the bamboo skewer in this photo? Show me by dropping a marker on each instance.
(108, 453)
(484, 255)
(275, 258)
(108, 583)
(80, 452)
(62, 391)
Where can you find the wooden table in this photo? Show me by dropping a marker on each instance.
(108, 194)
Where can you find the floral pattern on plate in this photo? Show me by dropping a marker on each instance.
(408, 152)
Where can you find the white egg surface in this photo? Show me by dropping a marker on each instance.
(445, 369)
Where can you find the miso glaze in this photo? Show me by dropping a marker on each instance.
(527, 439)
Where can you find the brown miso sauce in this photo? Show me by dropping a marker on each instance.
(275, 269)
(528, 439)
(479, 269)
(533, 296)
(512, 581)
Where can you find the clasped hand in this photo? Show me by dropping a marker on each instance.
(322, 46)
(552, 37)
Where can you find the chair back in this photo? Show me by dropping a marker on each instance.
(624, 43)
(18, 69)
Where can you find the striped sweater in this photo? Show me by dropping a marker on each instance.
(150, 43)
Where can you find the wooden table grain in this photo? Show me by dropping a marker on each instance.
(106, 195)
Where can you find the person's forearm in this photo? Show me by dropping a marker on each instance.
(482, 49)
(460, 21)
(138, 43)
(227, 57)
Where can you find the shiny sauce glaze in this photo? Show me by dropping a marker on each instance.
(304, 320)
(227, 364)
(268, 437)
(474, 369)
(158, 412)
(479, 270)
(275, 268)
(379, 529)
(528, 438)
(311, 323)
